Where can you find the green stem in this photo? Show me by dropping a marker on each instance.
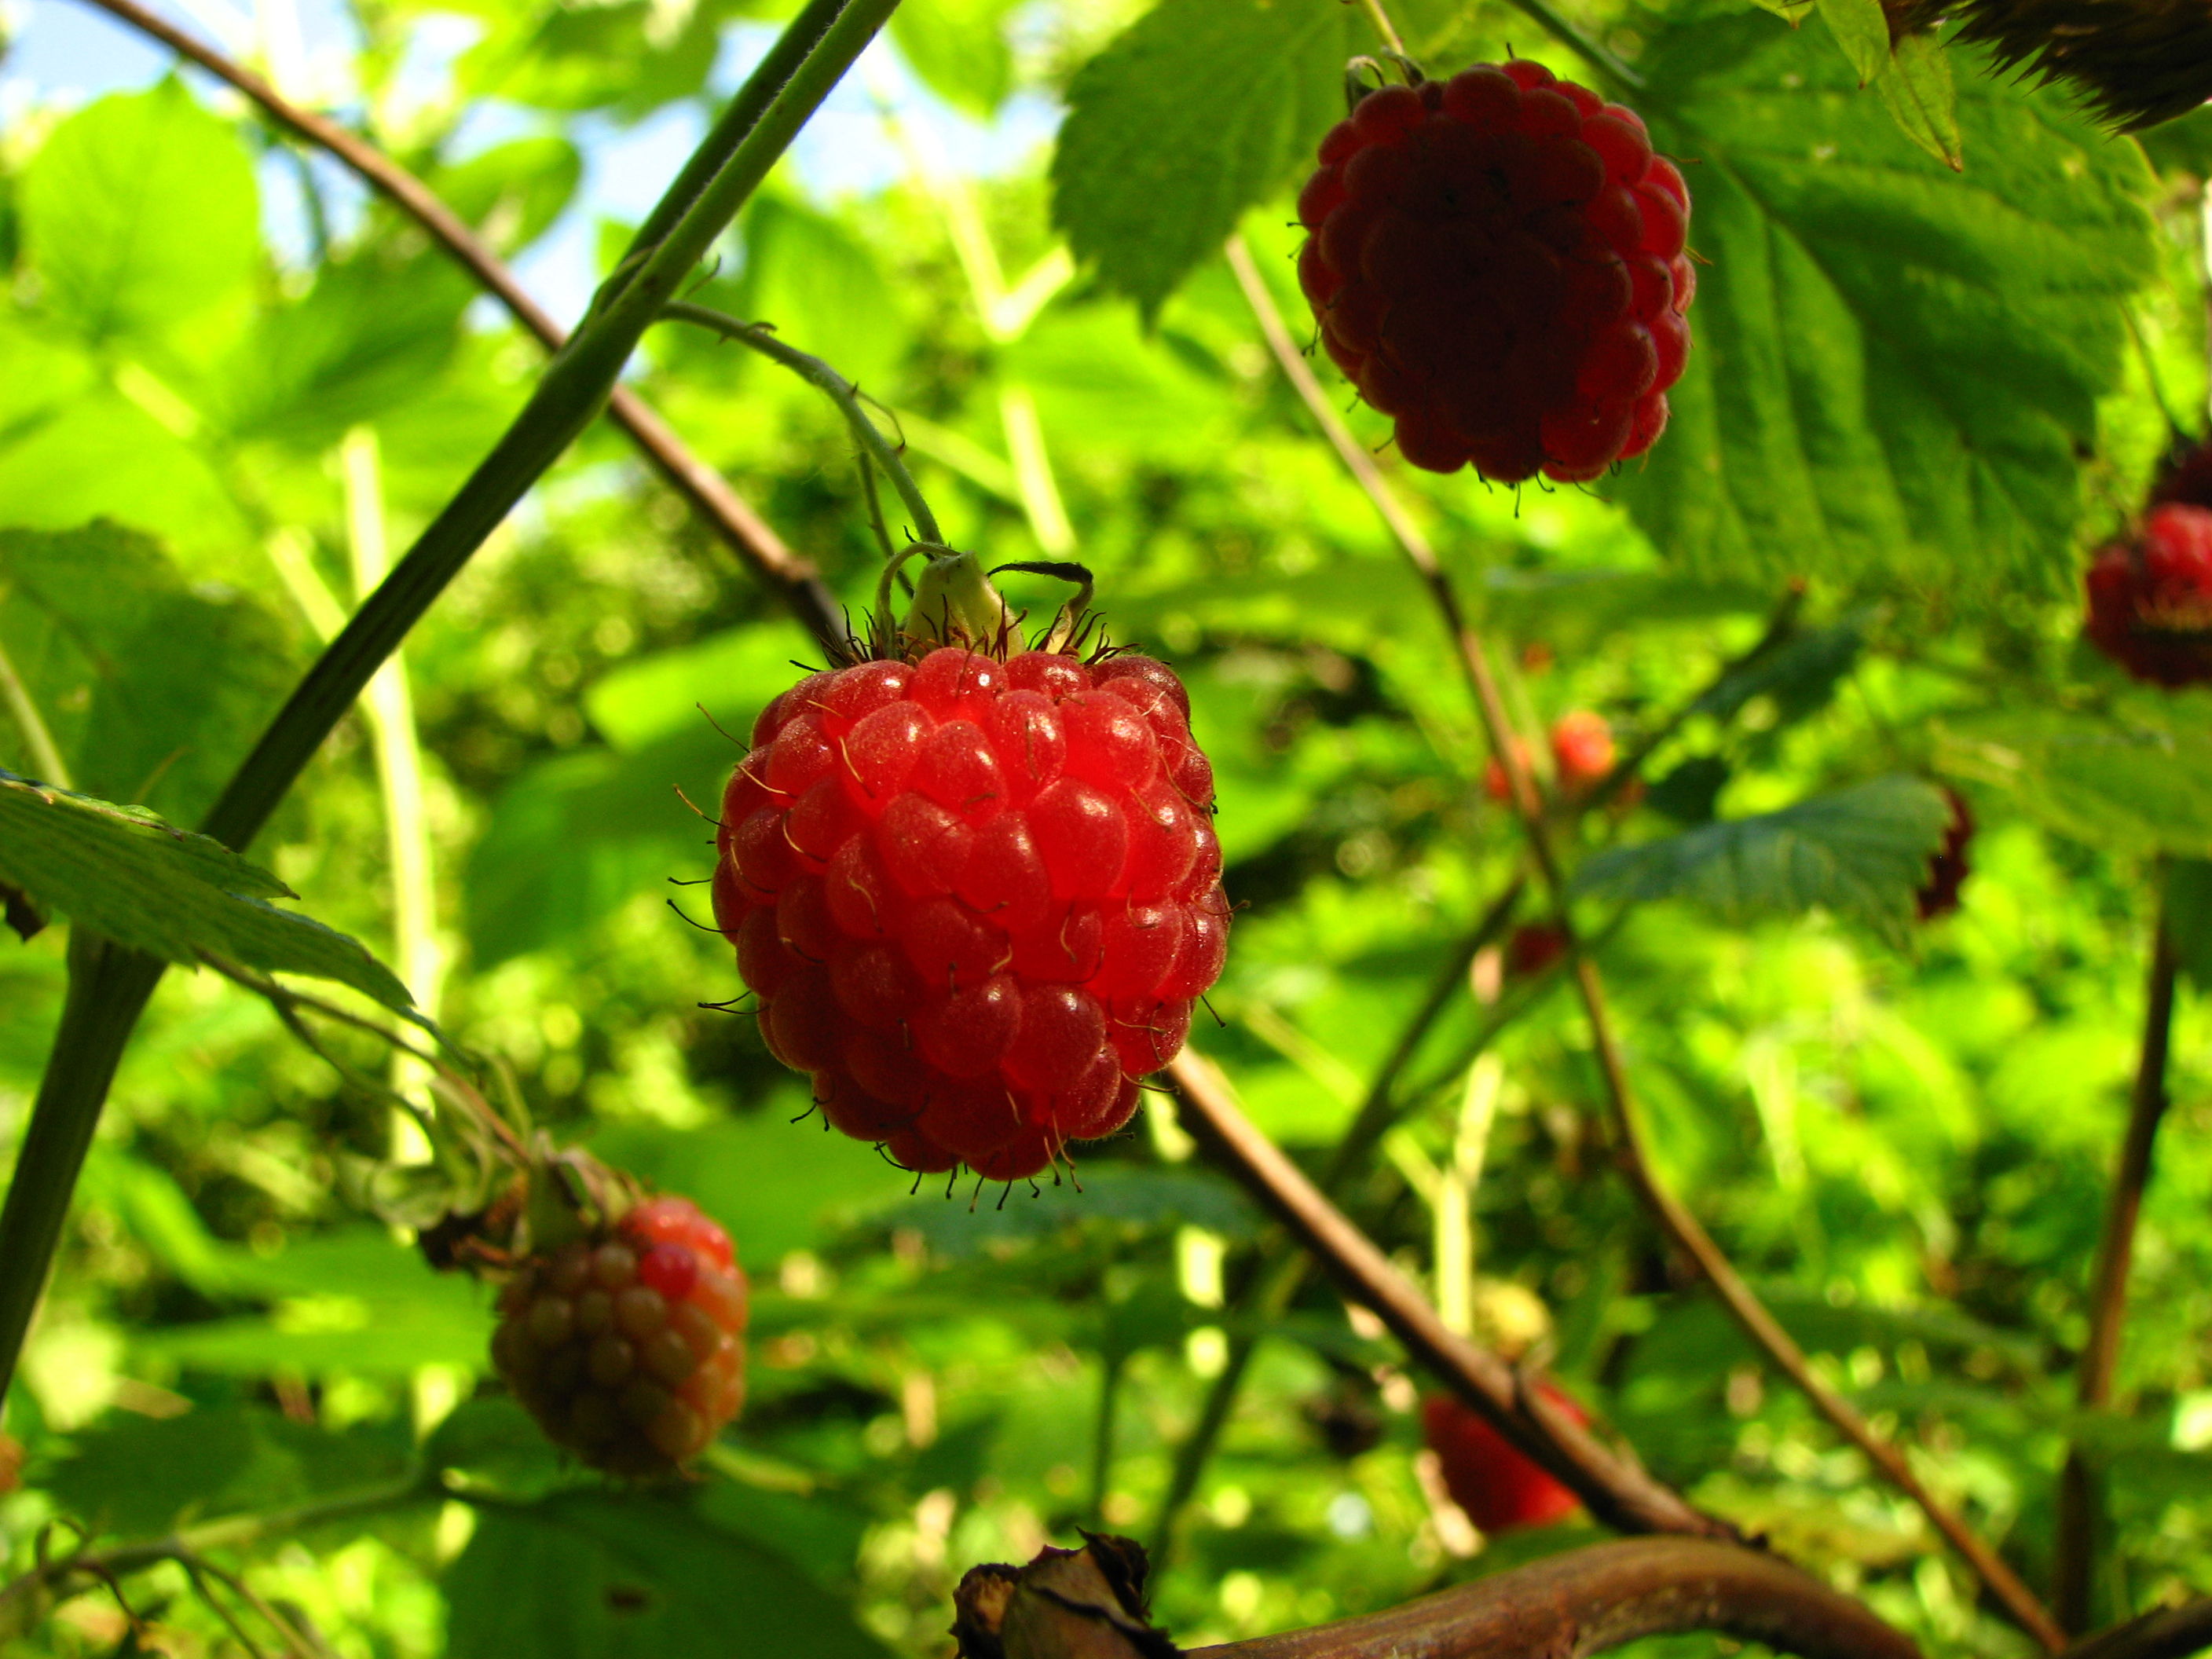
(38, 741)
(833, 386)
(1574, 39)
(1101, 1445)
(107, 993)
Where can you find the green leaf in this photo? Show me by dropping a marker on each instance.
(590, 1575)
(1924, 100)
(148, 685)
(1896, 368)
(2139, 784)
(133, 1476)
(1863, 31)
(121, 871)
(2189, 917)
(513, 192)
(140, 215)
(824, 291)
(1861, 852)
(1201, 109)
(958, 49)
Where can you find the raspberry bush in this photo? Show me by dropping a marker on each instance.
(1500, 261)
(627, 1344)
(978, 898)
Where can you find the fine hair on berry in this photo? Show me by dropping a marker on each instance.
(1498, 263)
(977, 898)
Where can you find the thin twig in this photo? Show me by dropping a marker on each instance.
(834, 385)
(2076, 1546)
(1680, 1226)
(743, 530)
(2169, 1634)
(43, 753)
(1275, 1270)
(1618, 1492)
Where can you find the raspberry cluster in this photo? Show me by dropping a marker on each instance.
(975, 899)
(1498, 262)
(1498, 1486)
(626, 1346)
(2150, 598)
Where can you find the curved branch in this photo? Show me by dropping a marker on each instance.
(1587, 1601)
(1619, 1493)
(2173, 1633)
(743, 530)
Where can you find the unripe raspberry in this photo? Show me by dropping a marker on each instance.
(978, 899)
(1498, 263)
(1498, 1486)
(2150, 598)
(1581, 748)
(627, 1345)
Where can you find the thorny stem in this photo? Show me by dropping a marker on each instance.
(2076, 1546)
(743, 530)
(1680, 1226)
(1589, 1600)
(108, 985)
(834, 385)
(1277, 1271)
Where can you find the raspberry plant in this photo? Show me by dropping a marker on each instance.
(1576, 804)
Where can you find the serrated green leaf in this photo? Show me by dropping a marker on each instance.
(1862, 32)
(1896, 369)
(1166, 144)
(590, 1575)
(147, 684)
(123, 872)
(2137, 785)
(823, 289)
(1924, 100)
(140, 214)
(2189, 917)
(1861, 852)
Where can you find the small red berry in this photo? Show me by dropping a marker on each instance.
(1948, 868)
(976, 899)
(1494, 782)
(1581, 748)
(2150, 598)
(626, 1346)
(1498, 262)
(1498, 1486)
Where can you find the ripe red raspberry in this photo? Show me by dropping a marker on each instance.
(2150, 598)
(1948, 868)
(627, 1345)
(1494, 782)
(1498, 1486)
(1496, 261)
(1581, 748)
(978, 899)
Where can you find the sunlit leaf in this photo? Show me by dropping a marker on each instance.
(1861, 852)
(2140, 784)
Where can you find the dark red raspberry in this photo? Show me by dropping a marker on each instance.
(1498, 262)
(626, 1346)
(1534, 947)
(1498, 1486)
(1948, 868)
(2150, 598)
(978, 899)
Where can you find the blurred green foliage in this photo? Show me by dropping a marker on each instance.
(1924, 394)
